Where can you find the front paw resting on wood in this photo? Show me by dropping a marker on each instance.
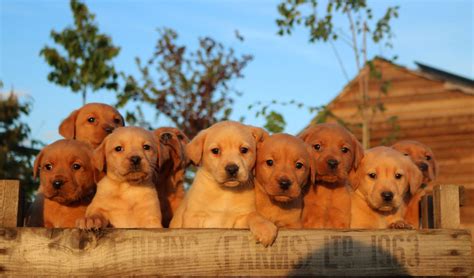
(400, 224)
(263, 230)
(93, 222)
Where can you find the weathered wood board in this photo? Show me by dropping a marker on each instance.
(9, 195)
(60, 252)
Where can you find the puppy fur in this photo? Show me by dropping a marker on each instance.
(282, 170)
(91, 123)
(424, 158)
(380, 183)
(66, 183)
(335, 152)
(222, 194)
(126, 197)
(170, 179)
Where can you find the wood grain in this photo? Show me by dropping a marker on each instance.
(9, 195)
(65, 252)
(446, 206)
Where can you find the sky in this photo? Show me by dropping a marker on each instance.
(433, 32)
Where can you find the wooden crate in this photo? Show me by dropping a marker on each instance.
(111, 252)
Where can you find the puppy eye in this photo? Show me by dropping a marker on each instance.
(117, 121)
(76, 166)
(398, 176)
(215, 150)
(180, 137)
(118, 149)
(317, 147)
(244, 150)
(146, 147)
(372, 175)
(344, 150)
(428, 157)
(405, 154)
(91, 120)
(269, 162)
(48, 167)
(299, 165)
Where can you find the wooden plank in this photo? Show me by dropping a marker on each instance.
(426, 208)
(9, 195)
(205, 252)
(446, 206)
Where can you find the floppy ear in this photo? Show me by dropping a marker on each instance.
(195, 148)
(414, 176)
(37, 164)
(68, 126)
(98, 157)
(355, 178)
(164, 153)
(258, 133)
(305, 133)
(358, 152)
(312, 166)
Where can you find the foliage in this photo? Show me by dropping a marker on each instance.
(193, 89)
(86, 63)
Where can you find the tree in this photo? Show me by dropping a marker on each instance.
(361, 25)
(15, 156)
(192, 89)
(86, 64)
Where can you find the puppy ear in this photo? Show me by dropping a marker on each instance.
(414, 176)
(164, 153)
(37, 164)
(98, 157)
(194, 149)
(305, 133)
(312, 166)
(355, 179)
(258, 133)
(68, 126)
(358, 152)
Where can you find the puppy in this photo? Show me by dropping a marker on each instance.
(170, 179)
(382, 179)
(66, 184)
(222, 194)
(91, 123)
(424, 158)
(282, 170)
(335, 152)
(126, 197)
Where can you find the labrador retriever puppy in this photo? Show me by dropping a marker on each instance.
(380, 182)
(424, 158)
(170, 178)
(66, 184)
(335, 152)
(282, 171)
(91, 123)
(222, 194)
(126, 197)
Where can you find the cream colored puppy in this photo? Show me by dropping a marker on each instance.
(222, 194)
(126, 197)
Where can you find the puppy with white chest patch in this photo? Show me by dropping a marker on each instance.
(126, 197)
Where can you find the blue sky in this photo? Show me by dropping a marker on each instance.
(437, 33)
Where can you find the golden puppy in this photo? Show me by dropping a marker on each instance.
(282, 170)
(66, 183)
(126, 197)
(171, 174)
(91, 123)
(335, 152)
(424, 158)
(222, 194)
(382, 179)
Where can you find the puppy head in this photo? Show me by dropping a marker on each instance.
(283, 166)
(66, 171)
(384, 176)
(91, 123)
(421, 155)
(128, 155)
(226, 151)
(335, 151)
(174, 142)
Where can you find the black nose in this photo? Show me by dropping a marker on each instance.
(387, 196)
(135, 160)
(109, 129)
(57, 184)
(232, 169)
(333, 163)
(166, 136)
(284, 183)
(423, 166)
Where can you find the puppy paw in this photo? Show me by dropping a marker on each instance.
(92, 223)
(400, 225)
(264, 232)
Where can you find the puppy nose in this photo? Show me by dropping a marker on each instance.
(332, 163)
(387, 196)
(57, 184)
(423, 166)
(284, 183)
(232, 169)
(135, 160)
(166, 136)
(108, 129)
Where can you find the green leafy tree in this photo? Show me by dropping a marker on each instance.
(84, 62)
(361, 27)
(192, 89)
